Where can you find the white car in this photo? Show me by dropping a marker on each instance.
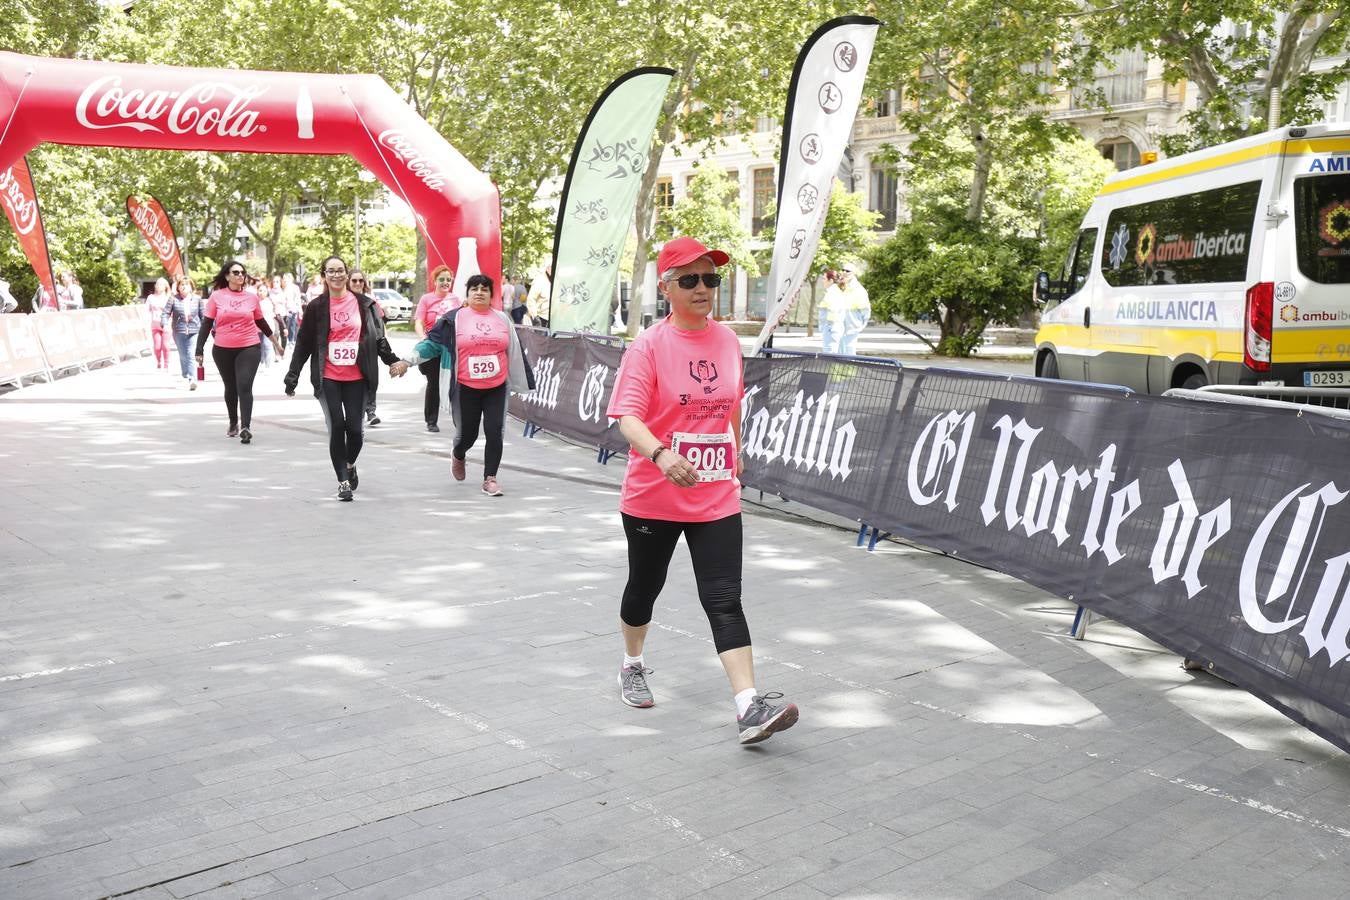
(394, 304)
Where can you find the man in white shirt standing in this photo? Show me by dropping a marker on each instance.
(536, 303)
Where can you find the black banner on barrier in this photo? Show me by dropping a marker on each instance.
(574, 377)
(819, 429)
(1221, 532)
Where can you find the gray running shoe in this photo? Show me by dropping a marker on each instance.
(763, 718)
(633, 688)
(345, 491)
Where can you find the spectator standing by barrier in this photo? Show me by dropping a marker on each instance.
(857, 308)
(430, 308)
(481, 360)
(677, 398)
(183, 319)
(237, 318)
(341, 338)
(154, 306)
(830, 315)
(73, 298)
(536, 302)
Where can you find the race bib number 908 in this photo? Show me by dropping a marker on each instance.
(713, 456)
(342, 353)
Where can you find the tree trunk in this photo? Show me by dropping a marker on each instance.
(642, 219)
(420, 268)
(811, 311)
(979, 184)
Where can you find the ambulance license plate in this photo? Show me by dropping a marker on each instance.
(1326, 379)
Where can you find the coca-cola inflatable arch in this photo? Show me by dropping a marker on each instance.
(69, 101)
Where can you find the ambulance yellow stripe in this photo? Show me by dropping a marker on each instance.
(1223, 160)
(1291, 345)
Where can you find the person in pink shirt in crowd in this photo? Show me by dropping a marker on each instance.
(677, 398)
(236, 318)
(269, 314)
(483, 361)
(430, 308)
(341, 337)
(154, 305)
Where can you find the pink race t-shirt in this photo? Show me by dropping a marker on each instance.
(344, 338)
(155, 303)
(685, 386)
(234, 313)
(430, 308)
(481, 342)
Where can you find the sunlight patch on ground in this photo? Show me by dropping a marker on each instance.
(810, 637)
(51, 745)
(347, 665)
(855, 709)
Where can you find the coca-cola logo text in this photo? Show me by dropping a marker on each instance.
(411, 157)
(23, 209)
(148, 223)
(205, 108)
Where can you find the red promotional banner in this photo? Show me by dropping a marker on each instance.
(19, 199)
(153, 222)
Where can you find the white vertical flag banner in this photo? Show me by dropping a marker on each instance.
(599, 196)
(823, 98)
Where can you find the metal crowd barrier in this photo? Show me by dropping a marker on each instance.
(1277, 395)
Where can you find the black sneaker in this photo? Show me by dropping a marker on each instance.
(351, 477)
(371, 419)
(245, 435)
(432, 426)
(345, 491)
(233, 432)
(763, 718)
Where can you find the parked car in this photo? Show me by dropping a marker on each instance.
(395, 305)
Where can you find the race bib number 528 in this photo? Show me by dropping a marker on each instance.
(713, 456)
(342, 353)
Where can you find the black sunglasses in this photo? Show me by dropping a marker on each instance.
(689, 282)
(236, 272)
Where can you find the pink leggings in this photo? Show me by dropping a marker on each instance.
(161, 349)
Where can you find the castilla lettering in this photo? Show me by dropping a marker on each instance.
(197, 109)
(411, 157)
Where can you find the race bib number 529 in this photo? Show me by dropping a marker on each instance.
(713, 456)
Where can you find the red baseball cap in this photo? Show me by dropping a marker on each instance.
(683, 250)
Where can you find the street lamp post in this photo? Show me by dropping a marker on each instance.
(366, 176)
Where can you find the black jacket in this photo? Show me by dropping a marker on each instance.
(312, 344)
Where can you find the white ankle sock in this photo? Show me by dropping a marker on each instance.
(632, 660)
(743, 701)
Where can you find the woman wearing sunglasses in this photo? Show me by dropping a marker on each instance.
(340, 337)
(360, 285)
(678, 401)
(430, 308)
(236, 317)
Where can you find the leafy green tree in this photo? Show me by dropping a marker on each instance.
(964, 276)
(712, 211)
(1237, 53)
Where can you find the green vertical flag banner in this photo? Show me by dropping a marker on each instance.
(598, 199)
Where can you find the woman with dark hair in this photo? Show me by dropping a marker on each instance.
(236, 318)
(430, 308)
(341, 336)
(481, 361)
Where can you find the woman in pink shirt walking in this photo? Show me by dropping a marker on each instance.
(430, 308)
(678, 401)
(236, 318)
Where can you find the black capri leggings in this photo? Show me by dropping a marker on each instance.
(714, 549)
(489, 406)
(431, 403)
(343, 402)
(238, 366)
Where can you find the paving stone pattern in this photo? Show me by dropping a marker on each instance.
(217, 681)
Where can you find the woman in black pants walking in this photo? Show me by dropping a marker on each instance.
(236, 317)
(341, 338)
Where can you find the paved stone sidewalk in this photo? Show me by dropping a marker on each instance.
(217, 681)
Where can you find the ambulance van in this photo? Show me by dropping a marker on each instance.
(1230, 265)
